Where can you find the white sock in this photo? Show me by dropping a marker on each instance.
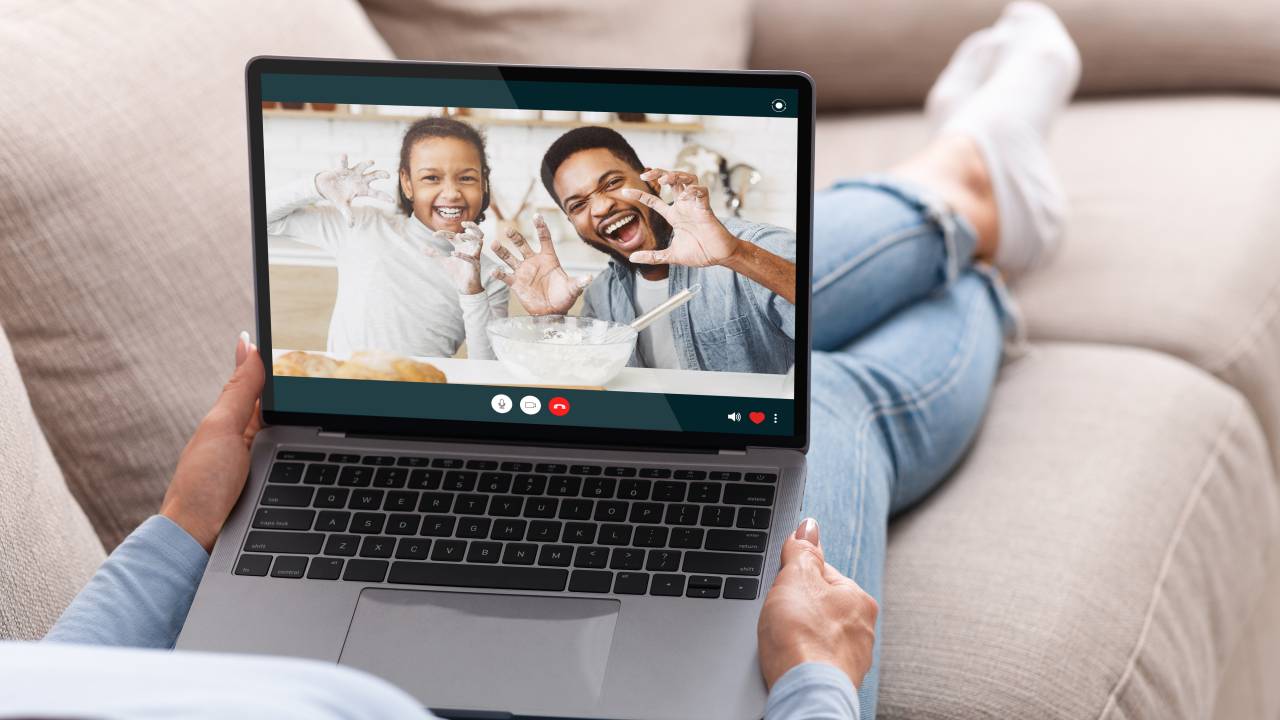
(1009, 115)
(969, 67)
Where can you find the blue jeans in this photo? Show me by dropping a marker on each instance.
(908, 337)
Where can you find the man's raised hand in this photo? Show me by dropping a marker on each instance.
(537, 279)
(698, 239)
(341, 184)
(462, 265)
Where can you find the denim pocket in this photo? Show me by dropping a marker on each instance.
(726, 346)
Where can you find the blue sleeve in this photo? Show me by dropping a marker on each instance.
(141, 594)
(812, 691)
(780, 242)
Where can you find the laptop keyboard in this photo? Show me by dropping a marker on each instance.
(477, 523)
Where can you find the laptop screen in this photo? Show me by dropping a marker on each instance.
(473, 247)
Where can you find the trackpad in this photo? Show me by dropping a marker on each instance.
(483, 652)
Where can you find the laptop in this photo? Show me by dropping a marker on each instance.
(489, 531)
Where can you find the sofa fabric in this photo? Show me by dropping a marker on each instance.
(706, 34)
(47, 547)
(1097, 554)
(882, 53)
(1172, 242)
(125, 270)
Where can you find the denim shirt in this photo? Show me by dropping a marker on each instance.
(732, 324)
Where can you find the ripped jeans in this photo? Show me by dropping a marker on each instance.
(907, 338)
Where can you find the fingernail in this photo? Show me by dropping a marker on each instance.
(242, 347)
(808, 530)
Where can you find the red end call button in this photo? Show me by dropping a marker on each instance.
(558, 406)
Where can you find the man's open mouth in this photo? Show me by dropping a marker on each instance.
(623, 230)
(450, 213)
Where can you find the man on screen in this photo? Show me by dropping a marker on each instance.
(743, 319)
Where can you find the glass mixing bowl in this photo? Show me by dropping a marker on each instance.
(562, 350)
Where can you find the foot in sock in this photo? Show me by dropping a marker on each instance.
(1009, 109)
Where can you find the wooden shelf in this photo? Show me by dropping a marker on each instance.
(483, 121)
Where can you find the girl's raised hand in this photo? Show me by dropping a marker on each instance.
(462, 265)
(341, 184)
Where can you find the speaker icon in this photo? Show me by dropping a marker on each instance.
(735, 416)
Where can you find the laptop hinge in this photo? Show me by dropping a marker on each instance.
(331, 433)
(732, 451)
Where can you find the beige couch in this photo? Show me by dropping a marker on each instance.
(1109, 547)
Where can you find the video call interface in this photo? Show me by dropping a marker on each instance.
(489, 261)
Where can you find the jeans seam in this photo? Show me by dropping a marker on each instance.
(911, 400)
(851, 264)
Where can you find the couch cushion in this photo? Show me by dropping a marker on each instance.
(1172, 243)
(124, 219)
(49, 548)
(658, 33)
(877, 53)
(1095, 556)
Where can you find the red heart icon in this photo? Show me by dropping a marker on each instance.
(756, 417)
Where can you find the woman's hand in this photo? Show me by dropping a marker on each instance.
(463, 264)
(538, 280)
(343, 184)
(814, 614)
(215, 463)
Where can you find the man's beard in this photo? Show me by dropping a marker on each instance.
(662, 231)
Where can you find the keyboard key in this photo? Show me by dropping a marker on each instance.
(433, 502)
(289, 566)
(626, 559)
(474, 527)
(401, 501)
(582, 533)
(646, 513)
(717, 516)
(366, 500)
(591, 556)
(539, 507)
(585, 469)
(669, 490)
(703, 592)
(355, 476)
(300, 455)
(575, 509)
(655, 473)
(495, 482)
(555, 555)
(614, 534)
(368, 523)
(591, 581)
(669, 585)
(759, 477)
(391, 477)
(321, 474)
(402, 524)
(631, 583)
(378, 460)
(723, 563)
(686, 537)
(634, 489)
(682, 514)
(478, 576)
(544, 531)
(344, 545)
(530, 484)
(323, 568)
(749, 495)
(564, 486)
(704, 492)
(333, 521)
(413, 461)
(725, 475)
(460, 480)
(413, 549)
(377, 547)
(753, 517)
(447, 463)
(599, 487)
(331, 497)
(285, 472)
(611, 510)
(438, 525)
(651, 537)
(482, 464)
(484, 552)
(283, 541)
(507, 529)
(737, 540)
(520, 467)
(425, 479)
(520, 554)
(551, 468)
(256, 565)
(449, 550)
(663, 560)
(470, 504)
(691, 474)
(365, 570)
(737, 588)
(506, 506)
(343, 458)
(287, 496)
(620, 471)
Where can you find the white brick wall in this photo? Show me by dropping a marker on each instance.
(299, 147)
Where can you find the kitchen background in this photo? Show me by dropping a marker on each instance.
(755, 156)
